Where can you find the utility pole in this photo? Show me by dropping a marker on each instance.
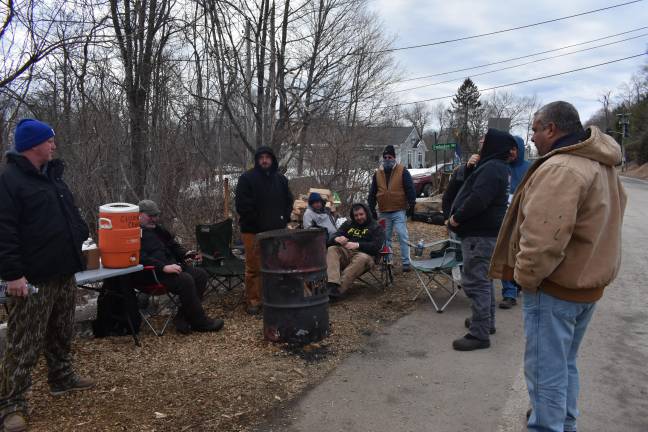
(624, 122)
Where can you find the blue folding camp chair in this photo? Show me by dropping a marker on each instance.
(441, 267)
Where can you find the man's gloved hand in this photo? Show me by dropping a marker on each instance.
(410, 210)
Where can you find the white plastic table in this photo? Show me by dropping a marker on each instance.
(90, 276)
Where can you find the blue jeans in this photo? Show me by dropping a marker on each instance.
(398, 220)
(554, 329)
(509, 289)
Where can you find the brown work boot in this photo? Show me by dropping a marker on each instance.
(14, 422)
(77, 383)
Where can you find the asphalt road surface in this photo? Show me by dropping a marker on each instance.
(410, 379)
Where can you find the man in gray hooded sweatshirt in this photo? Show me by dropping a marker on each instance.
(318, 216)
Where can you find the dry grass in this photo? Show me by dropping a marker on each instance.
(637, 171)
(228, 381)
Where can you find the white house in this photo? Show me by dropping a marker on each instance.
(410, 148)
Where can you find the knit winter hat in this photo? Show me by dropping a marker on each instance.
(30, 133)
(389, 150)
(314, 197)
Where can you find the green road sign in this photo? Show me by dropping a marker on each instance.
(445, 146)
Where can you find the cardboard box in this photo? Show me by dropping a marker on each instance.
(300, 205)
(91, 258)
(325, 193)
(428, 205)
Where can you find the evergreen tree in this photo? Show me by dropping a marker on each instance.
(467, 114)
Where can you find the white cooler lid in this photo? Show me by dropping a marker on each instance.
(119, 208)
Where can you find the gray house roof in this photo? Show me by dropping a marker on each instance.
(379, 137)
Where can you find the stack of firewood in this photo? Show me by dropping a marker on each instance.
(301, 204)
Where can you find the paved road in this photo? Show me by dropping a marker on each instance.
(409, 379)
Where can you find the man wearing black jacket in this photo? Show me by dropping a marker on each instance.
(352, 250)
(263, 203)
(41, 232)
(458, 177)
(161, 250)
(476, 216)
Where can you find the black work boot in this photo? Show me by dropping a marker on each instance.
(253, 310)
(209, 325)
(470, 343)
(507, 303)
(333, 291)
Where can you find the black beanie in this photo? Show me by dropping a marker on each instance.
(389, 150)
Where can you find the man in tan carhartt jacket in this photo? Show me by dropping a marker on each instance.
(561, 242)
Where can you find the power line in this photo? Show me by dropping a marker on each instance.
(505, 30)
(521, 57)
(519, 65)
(523, 81)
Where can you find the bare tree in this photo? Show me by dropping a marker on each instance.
(142, 30)
(605, 101)
(508, 105)
(419, 115)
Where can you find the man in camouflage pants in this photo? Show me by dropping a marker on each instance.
(41, 232)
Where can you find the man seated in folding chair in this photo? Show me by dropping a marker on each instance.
(352, 250)
(318, 216)
(161, 250)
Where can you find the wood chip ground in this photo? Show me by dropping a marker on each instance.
(227, 381)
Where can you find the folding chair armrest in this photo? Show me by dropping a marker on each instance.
(431, 244)
(152, 270)
(212, 257)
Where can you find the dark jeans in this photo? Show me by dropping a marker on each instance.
(190, 286)
(477, 253)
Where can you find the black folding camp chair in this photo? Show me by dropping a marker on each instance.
(155, 300)
(225, 269)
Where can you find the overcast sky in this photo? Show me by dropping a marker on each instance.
(414, 22)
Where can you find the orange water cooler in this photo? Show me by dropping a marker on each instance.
(119, 235)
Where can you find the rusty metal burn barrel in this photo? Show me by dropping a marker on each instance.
(295, 300)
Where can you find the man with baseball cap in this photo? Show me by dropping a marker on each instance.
(161, 250)
(41, 232)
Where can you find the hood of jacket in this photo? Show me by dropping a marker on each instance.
(521, 159)
(315, 197)
(370, 219)
(597, 146)
(519, 166)
(497, 145)
(266, 150)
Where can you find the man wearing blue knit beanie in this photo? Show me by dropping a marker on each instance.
(41, 232)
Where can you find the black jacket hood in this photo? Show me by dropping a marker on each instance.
(497, 145)
(370, 219)
(266, 150)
